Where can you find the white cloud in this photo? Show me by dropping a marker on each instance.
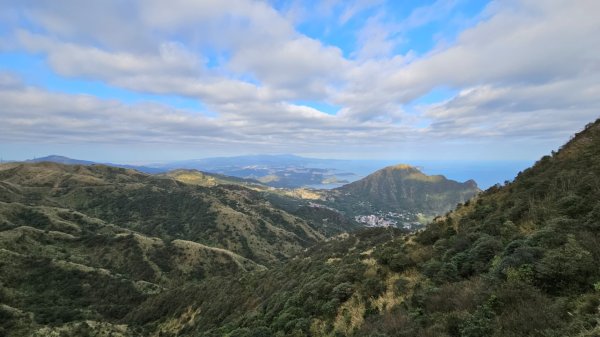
(523, 46)
(31, 113)
(356, 7)
(71, 59)
(547, 110)
(143, 37)
(537, 42)
(377, 39)
(426, 14)
(302, 65)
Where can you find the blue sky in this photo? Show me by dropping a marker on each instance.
(136, 81)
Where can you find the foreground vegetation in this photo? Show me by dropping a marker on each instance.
(518, 260)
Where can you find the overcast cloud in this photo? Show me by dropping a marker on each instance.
(511, 80)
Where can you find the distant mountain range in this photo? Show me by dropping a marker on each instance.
(397, 189)
(285, 171)
(291, 171)
(70, 161)
(398, 195)
(61, 160)
(248, 160)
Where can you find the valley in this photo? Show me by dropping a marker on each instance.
(94, 250)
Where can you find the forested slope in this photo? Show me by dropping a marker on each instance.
(519, 260)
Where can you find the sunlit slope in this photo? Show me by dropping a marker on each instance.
(223, 216)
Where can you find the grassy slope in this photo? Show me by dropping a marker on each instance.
(294, 201)
(229, 217)
(195, 177)
(93, 242)
(59, 265)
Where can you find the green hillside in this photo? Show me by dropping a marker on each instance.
(519, 260)
(59, 265)
(93, 242)
(223, 216)
(401, 188)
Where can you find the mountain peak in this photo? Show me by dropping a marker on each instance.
(404, 187)
(400, 167)
(60, 159)
(51, 157)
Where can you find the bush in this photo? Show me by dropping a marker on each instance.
(480, 323)
(372, 287)
(568, 267)
(343, 291)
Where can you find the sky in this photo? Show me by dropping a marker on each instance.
(152, 80)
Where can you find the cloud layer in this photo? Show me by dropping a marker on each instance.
(519, 72)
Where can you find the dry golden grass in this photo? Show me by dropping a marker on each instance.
(388, 299)
(193, 178)
(333, 260)
(176, 324)
(76, 266)
(350, 316)
(303, 193)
